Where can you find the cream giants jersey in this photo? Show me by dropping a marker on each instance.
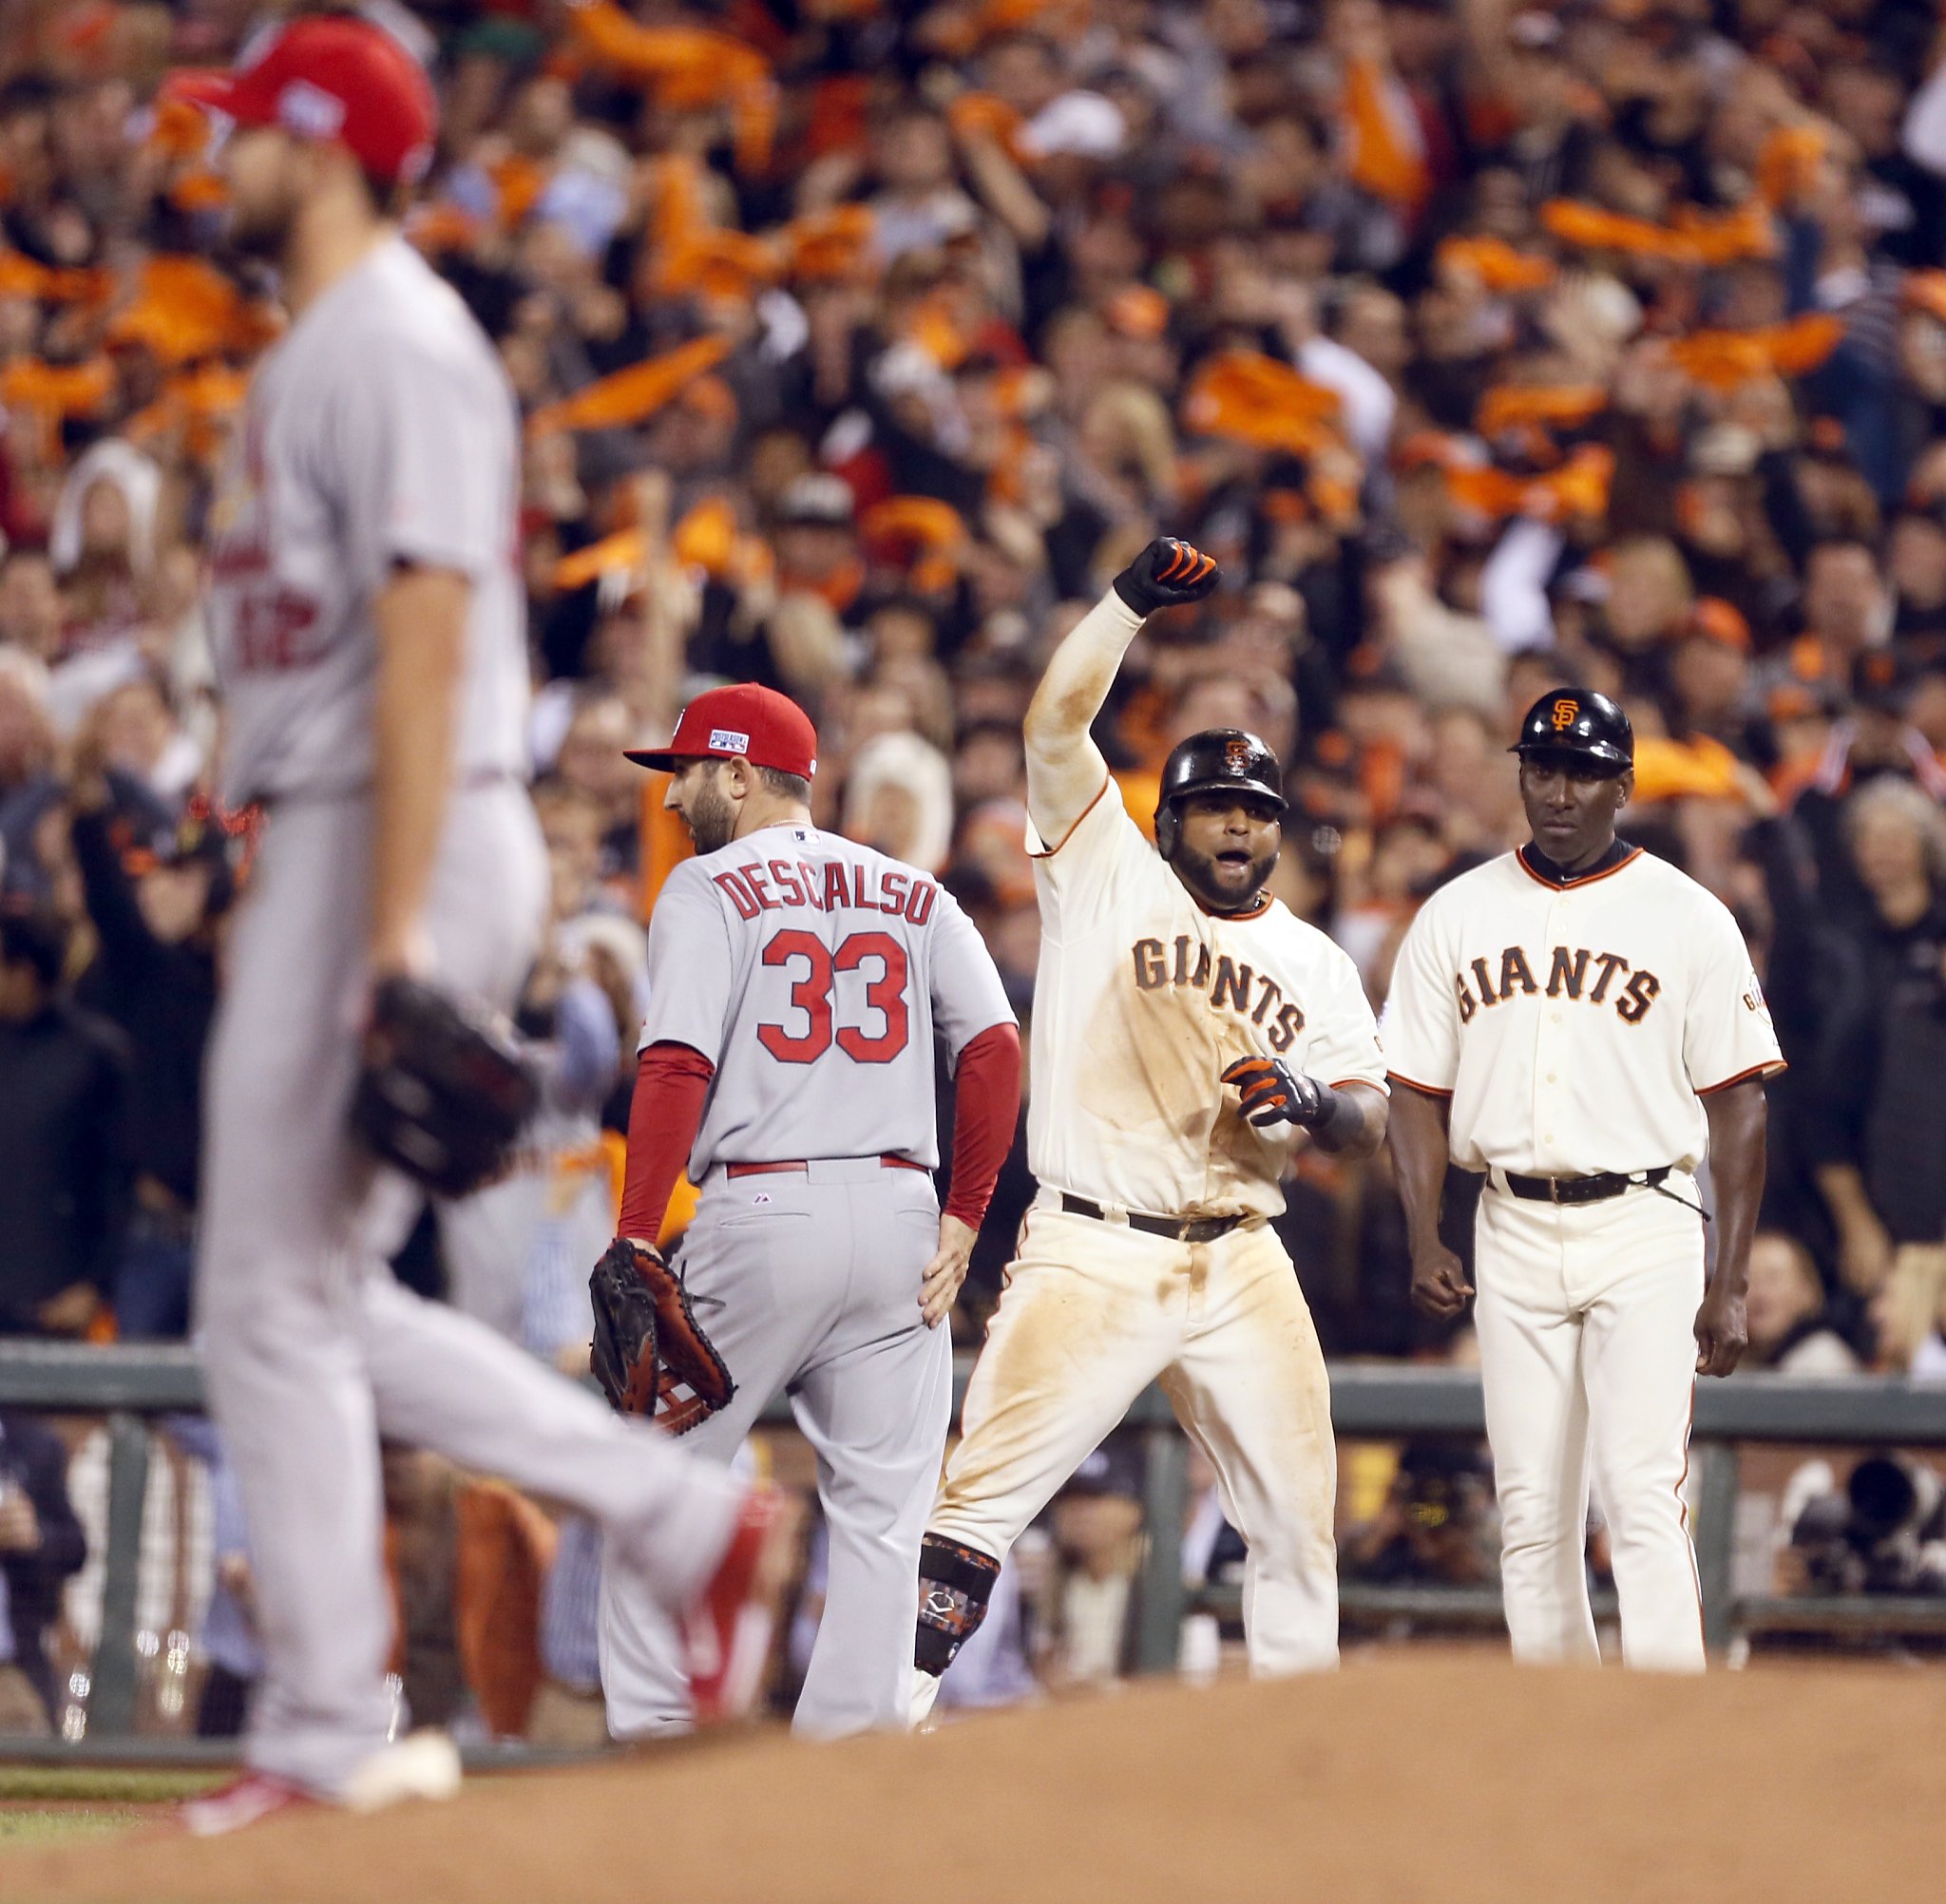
(1142, 1000)
(1576, 1024)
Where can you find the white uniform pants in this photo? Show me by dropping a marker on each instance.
(1585, 1316)
(311, 1350)
(1092, 1312)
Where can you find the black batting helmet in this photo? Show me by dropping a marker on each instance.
(1220, 759)
(1579, 722)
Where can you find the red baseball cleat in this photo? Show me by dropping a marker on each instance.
(727, 1632)
(244, 1800)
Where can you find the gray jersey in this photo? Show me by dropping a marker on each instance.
(815, 974)
(381, 430)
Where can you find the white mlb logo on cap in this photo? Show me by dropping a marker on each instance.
(727, 740)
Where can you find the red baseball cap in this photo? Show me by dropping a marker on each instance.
(330, 77)
(746, 722)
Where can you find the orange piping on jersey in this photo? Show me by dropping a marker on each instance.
(1771, 1067)
(1338, 1083)
(1413, 1084)
(1586, 879)
(1072, 831)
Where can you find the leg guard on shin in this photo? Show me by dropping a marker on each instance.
(954, 1585)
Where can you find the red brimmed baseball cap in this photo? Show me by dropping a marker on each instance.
(741, 723)
(331, 78)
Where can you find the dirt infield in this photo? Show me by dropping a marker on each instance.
(1410, 1777)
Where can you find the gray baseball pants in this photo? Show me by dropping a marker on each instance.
(312, 1351)
(807, 1282)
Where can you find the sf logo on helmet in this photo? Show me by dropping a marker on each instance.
(1236, 754)
(1565, 714)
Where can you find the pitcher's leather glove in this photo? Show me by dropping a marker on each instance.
(1271, 1094)
(650, 1355)
(1167, 573)
(443, 1089)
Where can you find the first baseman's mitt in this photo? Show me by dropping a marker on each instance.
(444, 1089)
(650, 1355)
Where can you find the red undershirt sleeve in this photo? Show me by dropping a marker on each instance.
(671, 1082)
(987, 1105)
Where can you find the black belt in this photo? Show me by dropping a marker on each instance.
(1180, 1228)
(1597, 1189)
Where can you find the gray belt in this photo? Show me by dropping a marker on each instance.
(358, 789)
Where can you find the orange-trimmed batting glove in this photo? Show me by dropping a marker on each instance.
(1270, 1093)
(1167, 573)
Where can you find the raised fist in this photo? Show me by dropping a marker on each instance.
(1271, 1092)
(1166, 575)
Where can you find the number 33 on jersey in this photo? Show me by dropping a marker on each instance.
(821, 971)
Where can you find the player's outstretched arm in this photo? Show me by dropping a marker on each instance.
(1738, 1119)
(1065, 770)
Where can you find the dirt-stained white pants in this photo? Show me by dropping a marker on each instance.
(311, 1350)
(1092, 1312)
(1585, 1316)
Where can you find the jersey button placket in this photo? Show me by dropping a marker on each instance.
(1549, 1039)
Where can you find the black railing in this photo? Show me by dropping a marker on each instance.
(1369, 1401)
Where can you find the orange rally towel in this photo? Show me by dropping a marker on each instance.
(1723, 359)
(1254, 399)
(628, 396)
(1382, 157)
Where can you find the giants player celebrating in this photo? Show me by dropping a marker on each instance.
(1183, 1019)
(1580, 1022)
(796, 981)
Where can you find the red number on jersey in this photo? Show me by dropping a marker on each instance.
(886, 994)
(812, 994)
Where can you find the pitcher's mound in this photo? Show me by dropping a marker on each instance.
(1413, 1777)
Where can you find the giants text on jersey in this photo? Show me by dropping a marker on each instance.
(1576, 1026)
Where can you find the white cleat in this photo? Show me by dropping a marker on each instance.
(421, 1765)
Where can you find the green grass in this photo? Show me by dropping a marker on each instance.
(43, 1805)
(119, 1786)
(68, 1824)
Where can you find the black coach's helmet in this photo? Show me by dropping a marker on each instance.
(1220, 759)
(1579, 722)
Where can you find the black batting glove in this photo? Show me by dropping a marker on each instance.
(1271, 1094)
(1166, 575)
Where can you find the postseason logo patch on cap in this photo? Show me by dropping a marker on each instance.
(727, 740)
(311, 111)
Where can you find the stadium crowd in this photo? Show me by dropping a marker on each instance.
(1488, 345)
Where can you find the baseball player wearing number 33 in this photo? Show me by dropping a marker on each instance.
(1186, 1029)
(797, 984)
(1580, 1022)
